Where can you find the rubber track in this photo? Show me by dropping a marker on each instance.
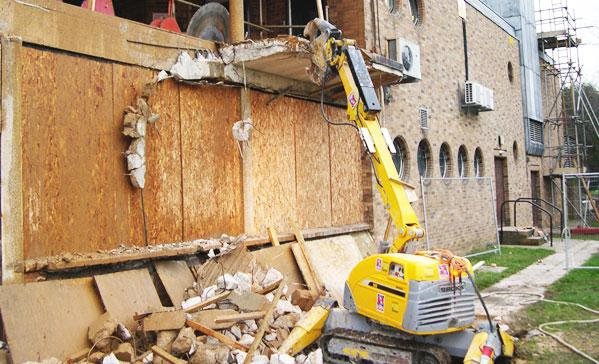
(421, 353)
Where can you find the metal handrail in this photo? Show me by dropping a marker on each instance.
(502, 208)
(536, 199)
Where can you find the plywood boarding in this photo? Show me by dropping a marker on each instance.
(48, 319)
(175, 276)
(347, 206)
(212, 181)
(163, 191)
(313, 178)
(126, 293)
(71, 158)
(274, 175)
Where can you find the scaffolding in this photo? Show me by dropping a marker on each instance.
(569, 116)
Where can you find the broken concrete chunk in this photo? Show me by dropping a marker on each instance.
(285, 306)
(100, 331)
(226, 281)
(209, 292)
(248, 302)
(315, 357)
(140, 127)
(246, 339)
(130, 119)
(203, 354)
(164, 339)
(272, 276)
(134, 161)
(283, 322)
(185, 343)
(125, 352)
(244, 282)
(249, 326)
(236, 331)
(138, 177)
(260, 359)
(281, 359)
(110, 359)
(242, 130)
(270, 337)
(138, 146)
(143, 107)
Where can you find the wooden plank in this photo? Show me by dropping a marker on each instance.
(166, 320)
(163, 192)
(215, 334)
(126, 293)
(31, 313)
(308, 234)
(272, 235)
(346, 175)
(212, 184)
(273, 161)
(302, 263)
(264, 325)
(208, 318)
(74, 29)
(207, 302)
(11, 168)
(281, 258)
(318, 286)
(160, 352)
(176, 277)
(241, 317)
(313, 166)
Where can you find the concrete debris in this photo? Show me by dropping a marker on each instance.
(185, 343)
(272, 275)
(100, 332)
(110, 359)
(125, 352)
(282, 359)
(246, 339)
(227, 282)
(248, 302)
(96, 357)
(242, 130)
(164, 339)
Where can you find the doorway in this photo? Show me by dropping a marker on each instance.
(501, 189)
(535, 193)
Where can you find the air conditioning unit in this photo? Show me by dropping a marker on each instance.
(409, 57)
(478, 97)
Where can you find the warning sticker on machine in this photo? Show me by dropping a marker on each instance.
(443, 271)
(380, 302)
(379, 264)
(352, 99)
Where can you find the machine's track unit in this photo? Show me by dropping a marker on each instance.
(347, 346)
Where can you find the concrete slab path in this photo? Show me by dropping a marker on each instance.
(534, 279)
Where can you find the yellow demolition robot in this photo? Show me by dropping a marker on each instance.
(397, 307)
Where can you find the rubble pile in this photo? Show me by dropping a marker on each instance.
(224, 318)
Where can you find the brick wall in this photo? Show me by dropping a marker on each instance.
(439, 35)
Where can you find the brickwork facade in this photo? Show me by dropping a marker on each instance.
(497, 134)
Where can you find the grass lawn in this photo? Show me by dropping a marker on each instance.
(513, 258)
(580, 286)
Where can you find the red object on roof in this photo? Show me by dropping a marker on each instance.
(102, 6)
(168, 23)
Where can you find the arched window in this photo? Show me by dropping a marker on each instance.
(462, 161)
(401, 158)
(417, 9)
(478, 163)
(424, 158)
(445, 161)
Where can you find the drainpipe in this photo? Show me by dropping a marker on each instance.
(236, 21)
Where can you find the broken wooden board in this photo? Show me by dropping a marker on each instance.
(166, 320)
(343, 251)
(176, 277)
(208, 318)
(48, 319)
(238, 260)
(126, 293)
(281, 258)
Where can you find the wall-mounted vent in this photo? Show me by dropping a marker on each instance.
(424, 116)
(536, 131)
(478, 97)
